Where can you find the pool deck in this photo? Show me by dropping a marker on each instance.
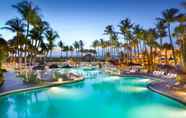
(14, 84)
(164, 87)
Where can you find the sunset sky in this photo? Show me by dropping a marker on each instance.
(86, 19)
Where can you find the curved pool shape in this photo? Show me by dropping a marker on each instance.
(102, 96)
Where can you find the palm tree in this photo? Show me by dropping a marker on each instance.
(44, 48)
(150, 37)
(138, 37)
(51, 36)
(127, 49)
(114, 43)
(3, 52)
(12, 44)
(125, 27)
(167, 47)
(156, 53)
(29, 13)
(102, 45)
(17, 26)
(108, 47)
(109, 31)
(71, 49)
(37, 33)
(61, 45)
(66, 49)
(95, 45)
(169, 16)
(76, 46)
(134, 45)
(161, 31)
(81, 45)
(180, 33)
(113, 39)
(37, 37)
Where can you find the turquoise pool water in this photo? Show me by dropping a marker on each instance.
(99, 96)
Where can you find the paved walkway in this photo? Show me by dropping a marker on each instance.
(15, 84)
(12, 82)
(165, 88)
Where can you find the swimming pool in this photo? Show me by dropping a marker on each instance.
(99, 96)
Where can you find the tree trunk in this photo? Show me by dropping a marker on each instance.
(161, 47)
(102, 52)
(138, 55)
(61, 52)
(67, 54)
(27, 33)
(50, 53)
(183, 51)
(171, 42)
(166, 58)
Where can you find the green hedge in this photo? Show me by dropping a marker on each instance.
(1, 81)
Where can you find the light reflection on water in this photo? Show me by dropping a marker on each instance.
(65, 92)
(132, 89)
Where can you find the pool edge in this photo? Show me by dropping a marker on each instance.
(151, 88)
(37, 87)
(69, 82)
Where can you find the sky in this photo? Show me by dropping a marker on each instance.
(86, 19)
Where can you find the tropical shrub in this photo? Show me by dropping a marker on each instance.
(56, 75)
(3, 57)
(180, 79)
(30, 78)
(1, 81)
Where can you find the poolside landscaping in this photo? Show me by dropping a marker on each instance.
(131, 71)
(16, 84)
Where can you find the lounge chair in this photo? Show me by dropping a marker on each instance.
(155, 73)
(74, 76)
(132, 71)
(170, 76)
(159, 73)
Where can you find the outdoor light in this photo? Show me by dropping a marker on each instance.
(39, 49)
(55, 90)
(60, 80)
